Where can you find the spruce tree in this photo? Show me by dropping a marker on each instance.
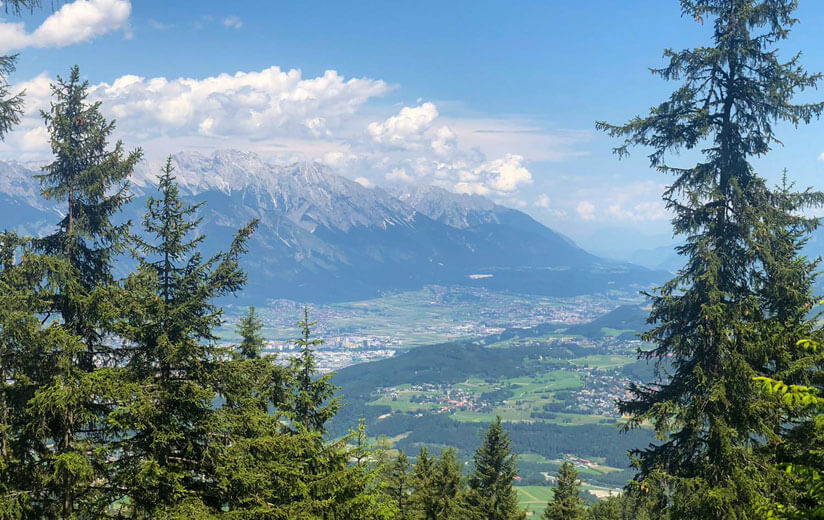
(436, 486)
(718, 323)
(71, 365)
(11, 104)
(348, 484)
(566, 503)
(398, 485)
(491, 495)
(314, 401)
(170, 429)
(23, 339)
(251, 343)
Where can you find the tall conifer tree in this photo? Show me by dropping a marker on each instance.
(398, 485)
(75, 377)
(169, 431)
(251, 342)
(436, 486)
(491, 495)
(314, 401)
(718, 323)
(566, 503)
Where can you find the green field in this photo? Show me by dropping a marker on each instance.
(529, 394)
(603, 361)
(534, 499)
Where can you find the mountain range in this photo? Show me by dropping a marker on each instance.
(324, 237)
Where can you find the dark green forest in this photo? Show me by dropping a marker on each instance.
(118, 401)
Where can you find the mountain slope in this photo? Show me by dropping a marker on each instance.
(325, 237)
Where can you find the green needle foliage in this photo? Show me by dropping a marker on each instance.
(397, 481)
(168, 429)
(251, 343)
(79, 374)
(314, 402)
(566, 503)
(436, 486)
(11, 104)
(736, 309)
(804, 458)
(491, 495)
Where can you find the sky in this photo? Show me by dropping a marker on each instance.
(495, 98)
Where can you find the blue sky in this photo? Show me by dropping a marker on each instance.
(498, 98)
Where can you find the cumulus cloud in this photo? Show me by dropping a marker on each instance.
(406, 129)
(471, 188)
(821, 157)
(281, 108)
(444, 142)
(287, 117)
(439, 156)
(399, 175)
(507, 174)
(366, 183)
(233, 22)
(585, 210)
(75, 22)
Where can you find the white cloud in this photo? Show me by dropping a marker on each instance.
(444, 142)
(585, 210)
(472, 188)
(622, 202)
(543, 201)
(256, 105)
(406, 129)
(400, 175)
(233, 22)
(75, 22)
(366, 183)
(507, 174)
(821, 157)
(261, 110)
(286, 117)
(438, 154)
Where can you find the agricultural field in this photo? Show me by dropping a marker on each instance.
(534, 499)
(526, 398)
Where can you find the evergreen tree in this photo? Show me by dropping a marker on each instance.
(169, 429)
(607, 509)
(314, 401)
(11, 105)
(67, 378)
(251, 344)
(348, 484)
(718, 324)
(566, 503)
(398, 484)
(803, 453)
(436, 486)
(491, 495)
(632, 504)
(23, 339)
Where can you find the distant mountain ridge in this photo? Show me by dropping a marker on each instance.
(324, 237)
